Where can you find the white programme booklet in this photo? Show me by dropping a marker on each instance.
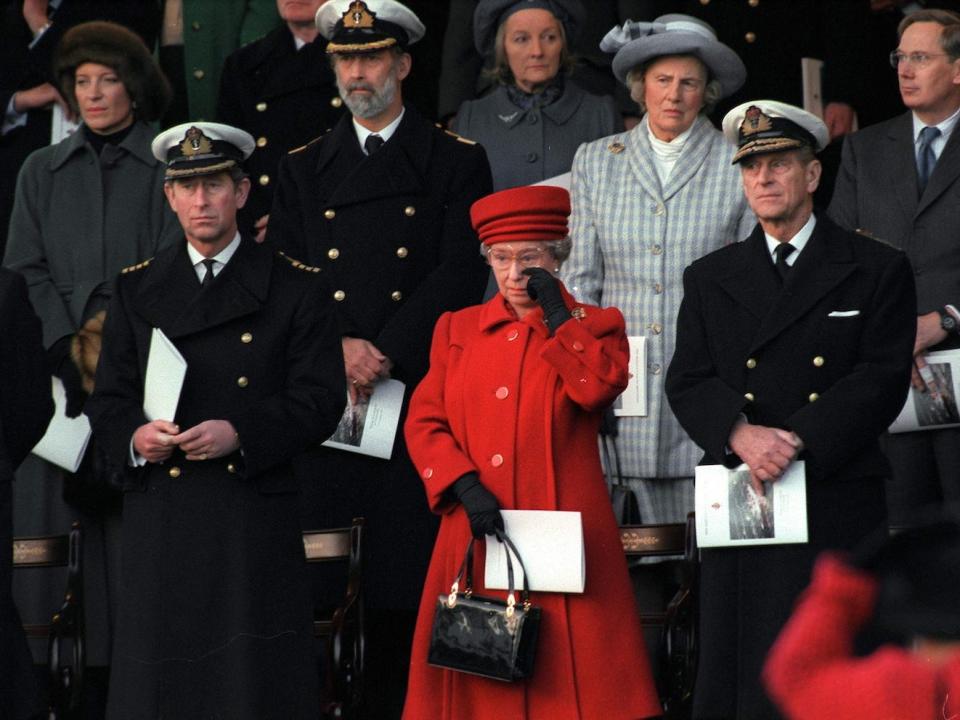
(632, 402)
(369, 426)
(66, 439)
(730, 513)
(166, 370)
(551, 545)
(936, 405)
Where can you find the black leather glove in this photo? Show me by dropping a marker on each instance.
(63, 367)
(481, 506)
(545, 289)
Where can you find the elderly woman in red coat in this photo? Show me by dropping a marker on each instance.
(507, 417)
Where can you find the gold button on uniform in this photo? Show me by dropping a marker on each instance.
(333, 253)
(409, 211)
(704, 2)
(246, 338)
(330, 214)
(261, 106)
(401, 252)
(336, 102)
(502, 393)
(174, 472)
(497, 460)
(242, 381)
(396, 296)
(813, 397)
(264, 179)
(261, 141)
(751, 364)
(198, 74)
(339, 295)
(231, 468)
(819, 361)
(750, 37)
(749, 396)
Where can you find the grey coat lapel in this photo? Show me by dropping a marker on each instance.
(692, 156)
(640, 157)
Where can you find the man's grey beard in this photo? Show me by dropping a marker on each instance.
(369, 106)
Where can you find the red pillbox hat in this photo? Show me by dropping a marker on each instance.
(532, 212)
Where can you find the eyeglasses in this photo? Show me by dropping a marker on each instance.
(501, 260)
(914, 59)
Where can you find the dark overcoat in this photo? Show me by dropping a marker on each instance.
(786, 357)
(392, 235)
(215, 617)
(25, 409)
(282, 96)
(877, 191)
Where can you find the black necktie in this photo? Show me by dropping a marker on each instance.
(208, 278)
(926, 158)
(782, 251)
(373, 143)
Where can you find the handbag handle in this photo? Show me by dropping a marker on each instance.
(467, 566)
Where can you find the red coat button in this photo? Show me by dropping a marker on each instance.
(578, 346)
(513, 335)
(427, 473)
(502, 393)
(497, 460)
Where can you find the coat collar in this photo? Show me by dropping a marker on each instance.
(292, 69)
(825, 262)
(169, 296)
(559, 111)
(399, 168)
(694, 153)
(137, 144)
(496, 312)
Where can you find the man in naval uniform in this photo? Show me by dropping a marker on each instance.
(281, 90)
(381, 205)
(794, 344)
(215, 610)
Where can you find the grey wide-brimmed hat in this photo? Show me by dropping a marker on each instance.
(491, 14)
(765, 126)
(637, 42)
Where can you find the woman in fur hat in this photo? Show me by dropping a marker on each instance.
(84, 209)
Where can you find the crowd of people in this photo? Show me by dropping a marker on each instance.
(250, 185)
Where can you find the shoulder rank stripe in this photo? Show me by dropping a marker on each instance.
(134, 268)
(460, 138)
(297, 264)
(304, 147)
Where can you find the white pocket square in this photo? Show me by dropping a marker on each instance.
(844, 313)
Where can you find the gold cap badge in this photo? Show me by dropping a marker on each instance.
(755, 121)
(358, 15)
(195, 143)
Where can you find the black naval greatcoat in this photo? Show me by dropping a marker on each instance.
(282, 96)
(215, 614)
(828, 356)
(392, 235)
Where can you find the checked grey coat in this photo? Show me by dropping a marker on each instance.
(632, 240)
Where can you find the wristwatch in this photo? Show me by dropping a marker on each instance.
(947, 321)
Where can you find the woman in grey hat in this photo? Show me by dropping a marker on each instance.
(534, 120)
(84, 209)
(646, 204)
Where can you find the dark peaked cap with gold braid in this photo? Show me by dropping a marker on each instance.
(201, 148)
(355, 26)
(765, 126)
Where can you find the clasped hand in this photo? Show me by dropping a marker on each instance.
(767, 451)
(155, 441)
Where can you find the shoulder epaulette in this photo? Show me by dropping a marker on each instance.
(297, 264)
(867, 234)
(304, 147)
(459, 138)
(134, 268)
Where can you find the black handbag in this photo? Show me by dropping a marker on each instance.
(485, 636)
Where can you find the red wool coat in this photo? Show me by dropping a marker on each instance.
(521, 409)
(812, 673)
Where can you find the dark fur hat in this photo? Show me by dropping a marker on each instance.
(113, 45)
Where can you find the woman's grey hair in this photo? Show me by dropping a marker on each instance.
(712, 93)
(559, 249)
(501, 73)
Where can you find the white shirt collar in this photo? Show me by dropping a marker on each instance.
(219, 260)
(799, 241)
(946, 127)
(386, 133)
